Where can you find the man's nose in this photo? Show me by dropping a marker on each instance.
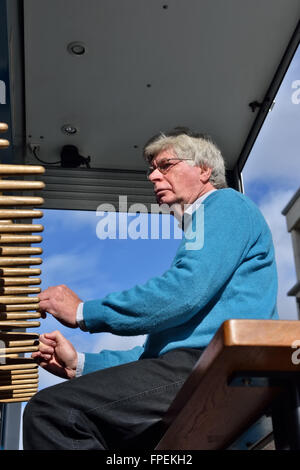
(156, 175)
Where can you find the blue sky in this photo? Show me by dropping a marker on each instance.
(73, 255)
(272, 175)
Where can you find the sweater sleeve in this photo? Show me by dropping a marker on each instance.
(107, 358)
(193, 280)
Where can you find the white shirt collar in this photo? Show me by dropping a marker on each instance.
(191, 208)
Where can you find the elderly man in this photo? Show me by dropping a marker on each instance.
(116, 399)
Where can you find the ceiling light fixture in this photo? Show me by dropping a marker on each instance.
(69, 129)
(76, 48)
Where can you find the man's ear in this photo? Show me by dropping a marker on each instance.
(205, 174)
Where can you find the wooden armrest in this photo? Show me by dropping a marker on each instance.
(208, 413)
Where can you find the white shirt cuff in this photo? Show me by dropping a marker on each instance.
(79, 317)
(80, 364)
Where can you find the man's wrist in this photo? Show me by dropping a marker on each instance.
(80, 364)
(79, 317)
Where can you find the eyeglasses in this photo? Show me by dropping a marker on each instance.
(164, 166)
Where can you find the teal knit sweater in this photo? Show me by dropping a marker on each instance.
(232, 276)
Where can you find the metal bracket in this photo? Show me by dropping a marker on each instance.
(285, 410)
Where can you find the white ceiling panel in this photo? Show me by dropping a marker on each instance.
(204, 60)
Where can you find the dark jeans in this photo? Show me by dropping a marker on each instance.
(116, 408)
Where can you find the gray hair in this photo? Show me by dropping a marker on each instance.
(199, 148)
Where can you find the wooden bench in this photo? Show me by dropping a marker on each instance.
(245, 370)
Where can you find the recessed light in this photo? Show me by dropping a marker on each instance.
(69, 129)
(77, 48)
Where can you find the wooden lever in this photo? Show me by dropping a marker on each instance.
(30, 380)
(19, 316)
(19, 391)
(14, 307)
(21, 200)
(20, 184)
(19, 324)
(20, 363)
(21, 169)
(17, 335)
(18, 372)
(16, 387)
(5, 356)
(19, 290)
(18, 343)
(4, 228)
(18, 281)
(9, 238)
(21, 349)
(21, 398)
(11, 377)
(20, 214)
(19, 299)
(18, 375)
(20, 250)
(5, 261)
(11, 339)
(4, 143)
(3, 127)
(20, 271)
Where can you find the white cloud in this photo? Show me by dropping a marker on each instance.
(275, 155)
(69, 220)
(80, 270)
(69, 267)
(271, 206)
(70, 264)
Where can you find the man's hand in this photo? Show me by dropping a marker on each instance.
(56, 355)
(62, 303)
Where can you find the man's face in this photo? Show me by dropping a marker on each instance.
(181, 183)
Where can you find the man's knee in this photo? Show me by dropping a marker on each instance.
(43, 415)
(43, 403)
(36, 405)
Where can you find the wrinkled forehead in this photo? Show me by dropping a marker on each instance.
(164, 155)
